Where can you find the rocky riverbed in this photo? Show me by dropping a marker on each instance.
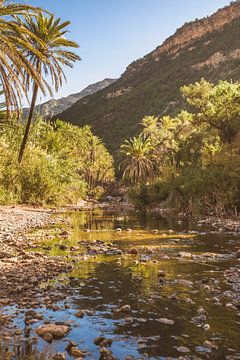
(22, 271)
(116, 285)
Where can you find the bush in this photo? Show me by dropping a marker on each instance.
(55, 166)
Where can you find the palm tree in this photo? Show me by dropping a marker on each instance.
(53, 54)
(138, 165)
(13, 64)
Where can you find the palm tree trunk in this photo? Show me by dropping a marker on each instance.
(28, 125)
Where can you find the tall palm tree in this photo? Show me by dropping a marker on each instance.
(53, 54)
(13, 64)
(138, 166)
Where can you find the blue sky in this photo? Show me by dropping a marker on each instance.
(113, 33)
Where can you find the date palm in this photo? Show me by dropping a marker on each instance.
(138, 165)
(53, 55)
(13, 64)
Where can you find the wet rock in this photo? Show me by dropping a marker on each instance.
(64, 233)
(77, 353)
(134, 251)
(80, 314)
(182, 349)
(57, 331)
(166, 321)
(125, 308)
(99, 340)
(184, 254)
(185, 282)
(161, 273)
(48, 337)
(105, 354)
(63, 247)
(70, 345)
(59, 356)
(206, 327)
(211, 344)
(89, 312)
(149, 251)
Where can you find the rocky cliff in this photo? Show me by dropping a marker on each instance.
(208, 48)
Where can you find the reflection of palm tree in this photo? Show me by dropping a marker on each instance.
(52, 55)
(138, 165)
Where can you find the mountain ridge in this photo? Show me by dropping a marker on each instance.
(55, 106)
(208, 48)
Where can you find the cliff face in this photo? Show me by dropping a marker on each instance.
(208, 48)
(55, 106)
(189, 33)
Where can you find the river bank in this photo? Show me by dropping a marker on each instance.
(22, 271)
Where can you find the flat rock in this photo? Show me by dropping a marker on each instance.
(57, 331)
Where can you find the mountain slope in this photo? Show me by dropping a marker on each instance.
(208, 48)
(55, 106)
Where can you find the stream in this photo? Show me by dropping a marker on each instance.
(153, 287)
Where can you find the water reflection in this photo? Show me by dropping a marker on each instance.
(103, 283)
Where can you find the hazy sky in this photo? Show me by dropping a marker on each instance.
(113, 33)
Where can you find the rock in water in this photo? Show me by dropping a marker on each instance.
(57, 331)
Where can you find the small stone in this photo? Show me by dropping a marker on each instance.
(80, 314)
(125, 308)
(18, 332)
(105, 354)
(166, 321)
(75, 352)
(59, 356)
(182, 349)
(70, 345)
(63, 247)
(161, 273)
(89, 312)
(134, 251)
(206, 327)
(99, 340)
(48, 337)
(149, 251)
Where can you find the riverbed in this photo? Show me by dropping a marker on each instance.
(132, 287)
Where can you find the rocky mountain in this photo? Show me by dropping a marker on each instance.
(208, 48)
(55, 106)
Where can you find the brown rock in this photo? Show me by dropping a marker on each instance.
(57, 331)
(134, 251)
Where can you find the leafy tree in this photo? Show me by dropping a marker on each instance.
(197, 153)
(216, 107)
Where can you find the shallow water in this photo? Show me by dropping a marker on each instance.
(104, 282)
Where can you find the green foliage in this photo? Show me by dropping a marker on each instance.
(138, 163)
(56, 167)
(197, 153)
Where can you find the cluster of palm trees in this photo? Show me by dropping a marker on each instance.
(33, 51)
(138, 165)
